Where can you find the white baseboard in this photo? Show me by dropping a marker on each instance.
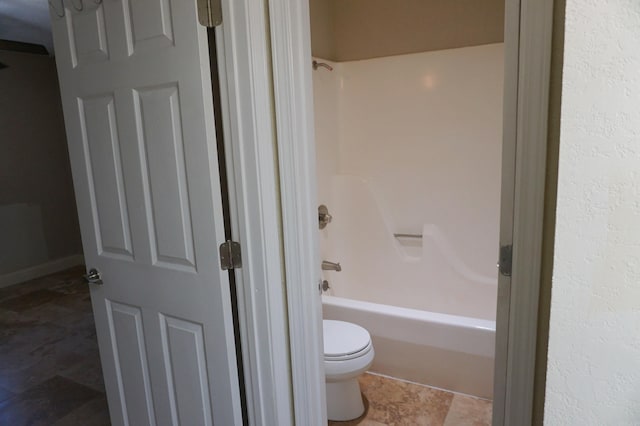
(40, 270)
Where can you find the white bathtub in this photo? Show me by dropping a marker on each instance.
(446, 351)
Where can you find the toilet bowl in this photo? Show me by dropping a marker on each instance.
(348, 352)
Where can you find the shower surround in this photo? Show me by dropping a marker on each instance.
(408, 162)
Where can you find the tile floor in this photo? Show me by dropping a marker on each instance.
(394, 402)
(50, 371)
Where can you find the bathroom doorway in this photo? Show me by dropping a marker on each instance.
(408, 137)
(427, 208)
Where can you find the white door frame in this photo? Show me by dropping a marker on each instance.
(291, 61)
(244, 66)
(528, 32)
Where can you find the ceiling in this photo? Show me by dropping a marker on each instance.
(26, 21)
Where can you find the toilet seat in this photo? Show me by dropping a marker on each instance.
(346, 357)
(344, 340)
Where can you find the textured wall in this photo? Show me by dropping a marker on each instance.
(38, 219)
(593, 373)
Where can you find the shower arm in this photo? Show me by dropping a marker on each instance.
(317, 64)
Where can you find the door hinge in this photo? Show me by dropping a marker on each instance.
(506, 260)
(210, 12)
(230, 257)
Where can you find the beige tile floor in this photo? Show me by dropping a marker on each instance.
(394, 402)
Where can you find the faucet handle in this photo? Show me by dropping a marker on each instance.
(324, 218)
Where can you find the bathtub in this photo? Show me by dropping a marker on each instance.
(451, 352)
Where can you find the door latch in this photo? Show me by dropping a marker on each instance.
(506, 260)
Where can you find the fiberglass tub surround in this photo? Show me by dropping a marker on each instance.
(409, 162)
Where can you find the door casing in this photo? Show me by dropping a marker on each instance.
(528, 33)
(528, 30)
(244, 66)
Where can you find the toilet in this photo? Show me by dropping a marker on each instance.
(348, 352)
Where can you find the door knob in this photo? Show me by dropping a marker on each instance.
(93, 277)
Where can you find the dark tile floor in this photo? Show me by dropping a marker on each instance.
(49, 363)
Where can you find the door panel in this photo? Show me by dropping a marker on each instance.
(183, 347)
(160, 135)
(136, 91)
(104, 169)
(87, 37)
(149, 22)
(127, 340)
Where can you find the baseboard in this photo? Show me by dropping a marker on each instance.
(40, 270)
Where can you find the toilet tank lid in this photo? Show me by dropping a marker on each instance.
(343, 338)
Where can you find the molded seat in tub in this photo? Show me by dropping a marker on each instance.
(348, 352)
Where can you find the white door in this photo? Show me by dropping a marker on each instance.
(136, 90)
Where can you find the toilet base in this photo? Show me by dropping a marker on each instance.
(344, 400)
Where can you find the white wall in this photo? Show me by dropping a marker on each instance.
(38, 219)
(593, 375)
(420, 137)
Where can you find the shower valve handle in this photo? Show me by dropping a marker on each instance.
(324, 217)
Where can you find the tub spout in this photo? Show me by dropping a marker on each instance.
(330, 266)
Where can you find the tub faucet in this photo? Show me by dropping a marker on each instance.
(330, 266)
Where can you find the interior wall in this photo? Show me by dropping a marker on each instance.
(38, 219)
(348, 30)
(593, 374)
(421, 134)
(322, 29)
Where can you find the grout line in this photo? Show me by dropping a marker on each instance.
(426, 386)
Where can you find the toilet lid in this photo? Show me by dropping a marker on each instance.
(343, 338)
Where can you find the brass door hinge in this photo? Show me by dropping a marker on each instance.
(210, 12)
(230, 257)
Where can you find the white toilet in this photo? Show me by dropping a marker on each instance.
(348, 352)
